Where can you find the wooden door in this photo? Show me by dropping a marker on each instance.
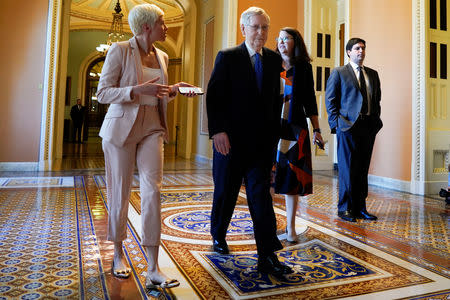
(438, 95)
(321, 39)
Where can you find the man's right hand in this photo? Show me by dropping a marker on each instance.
(221, 143)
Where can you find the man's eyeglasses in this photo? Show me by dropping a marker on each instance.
(257, 27)
(283, 39)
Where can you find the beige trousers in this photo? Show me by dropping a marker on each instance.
(144, 146)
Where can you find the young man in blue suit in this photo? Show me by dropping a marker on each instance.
(244, 108)
(353, 99)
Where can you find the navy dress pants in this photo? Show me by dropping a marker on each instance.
(354, 150)
(228, 173)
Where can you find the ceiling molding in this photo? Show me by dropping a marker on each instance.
(99, 13)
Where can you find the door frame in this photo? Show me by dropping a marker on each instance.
(418, 46)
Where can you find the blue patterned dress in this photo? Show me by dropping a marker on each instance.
(293, 168)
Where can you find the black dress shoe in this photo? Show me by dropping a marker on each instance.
(271, 265)
(366, 216)
(347, 216)
(220, 246)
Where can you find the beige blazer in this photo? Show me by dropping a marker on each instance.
(121, 71)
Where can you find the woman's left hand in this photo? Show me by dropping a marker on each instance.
(318, 140)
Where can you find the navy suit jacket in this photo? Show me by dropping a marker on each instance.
(303, 95)
(343, 98)
(235, 106)
(77, 115)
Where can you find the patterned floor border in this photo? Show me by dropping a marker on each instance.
(93, 284)
(49, 245)
(136, 256)
(36, 182)
(443, 295)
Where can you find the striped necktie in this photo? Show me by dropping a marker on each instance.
(363, 88)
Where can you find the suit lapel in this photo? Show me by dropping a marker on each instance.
(137, 59)
(371, 86)
(248, 68)
(266, 67)
(352, 75)
(246, 57)
(355, 80)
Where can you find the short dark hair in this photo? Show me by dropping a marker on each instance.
(300, 52)
(353, 41)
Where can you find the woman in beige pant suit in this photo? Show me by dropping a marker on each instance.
(134, 83)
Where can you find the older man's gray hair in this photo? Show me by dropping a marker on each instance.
(253, 11)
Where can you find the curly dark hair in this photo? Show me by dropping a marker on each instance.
(300, 52)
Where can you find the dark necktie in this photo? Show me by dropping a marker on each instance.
(363, 88)
(258, 71)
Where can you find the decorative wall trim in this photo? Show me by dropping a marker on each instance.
(390, 183)
(19, 166)
(413, 187)
(307, 25)
(188, 73)
(207, 64)
(231, 6)
(433, 187)
(418, 101)
(50, 94)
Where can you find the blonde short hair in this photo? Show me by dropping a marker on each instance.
(253, 11)
(143, 14)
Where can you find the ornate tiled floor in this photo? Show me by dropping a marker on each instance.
(53, 242)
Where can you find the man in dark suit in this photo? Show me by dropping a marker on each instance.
(77, 115)
(353, 99)
(244, 108)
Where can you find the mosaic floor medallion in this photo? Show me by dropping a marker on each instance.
(314, 263)
(191, 224)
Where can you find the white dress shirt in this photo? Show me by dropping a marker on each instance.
(369, 87)
(252, 53)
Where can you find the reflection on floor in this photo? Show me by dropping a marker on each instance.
(53, 240)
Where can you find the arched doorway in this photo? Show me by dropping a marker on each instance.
(95, 111)
(67, 17)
